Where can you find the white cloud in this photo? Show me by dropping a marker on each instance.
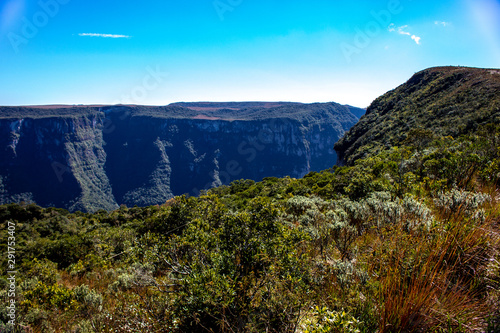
(103, 35)
(401, 30)
(442, 23)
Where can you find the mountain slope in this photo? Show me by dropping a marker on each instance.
(447, 100)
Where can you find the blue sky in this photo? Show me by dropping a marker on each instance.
(163, 51)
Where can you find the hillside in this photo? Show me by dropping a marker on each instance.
(99, 157)
(445, 100)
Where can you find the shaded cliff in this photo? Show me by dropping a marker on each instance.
(90, 158)
(443, 100)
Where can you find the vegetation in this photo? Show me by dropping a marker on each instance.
(406, 240)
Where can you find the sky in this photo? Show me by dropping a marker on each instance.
(156, 52)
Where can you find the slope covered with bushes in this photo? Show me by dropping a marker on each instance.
(393, 243)
(403, 240)
(445, 100)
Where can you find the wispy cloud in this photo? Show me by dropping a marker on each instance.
(442, 23)
(103, 35)
(402, 31)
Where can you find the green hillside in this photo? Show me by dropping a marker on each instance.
(444, 100)
(402, 239)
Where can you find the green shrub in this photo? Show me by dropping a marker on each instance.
(322, 320)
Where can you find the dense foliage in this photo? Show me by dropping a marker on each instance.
(403, 241)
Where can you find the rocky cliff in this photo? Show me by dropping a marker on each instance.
(99, 157)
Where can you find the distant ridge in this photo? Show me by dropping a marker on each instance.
(189, 110)
(232, 105)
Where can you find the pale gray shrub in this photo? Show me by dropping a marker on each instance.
(465, 201)
(380, 209)
(416, 212)
(91, 299)
(347, 272)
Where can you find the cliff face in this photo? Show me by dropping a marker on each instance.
(99, 158)
(55, 162)
(444, 100)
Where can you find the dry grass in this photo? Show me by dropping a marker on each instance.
(434, 280)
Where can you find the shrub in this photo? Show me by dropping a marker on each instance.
(322, 320)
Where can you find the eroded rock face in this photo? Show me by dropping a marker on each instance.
(102, 157)
(55, 162)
